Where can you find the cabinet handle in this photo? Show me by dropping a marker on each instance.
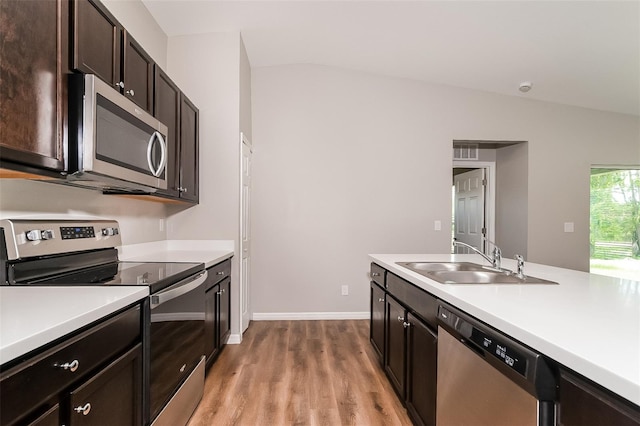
(381, 299)
(120, 84)
(130, 92)
(401, 319)
(71, 366)
(220, 273)
(84, 410)
(406, 324)
(181, 189)
(221, 291)
(375, 274)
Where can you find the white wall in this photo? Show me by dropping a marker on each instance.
(139, 220)
(213, 70)
(350, 163)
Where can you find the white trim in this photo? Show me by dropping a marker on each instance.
(234, 339)
(275, 316)
(490, 166)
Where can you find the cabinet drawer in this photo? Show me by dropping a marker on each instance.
(418, 300)
(45, 375)
(218, 272)
(378, 275)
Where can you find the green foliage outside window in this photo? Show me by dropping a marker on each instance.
(615, 214)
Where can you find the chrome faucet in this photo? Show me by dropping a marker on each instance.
(495, 260)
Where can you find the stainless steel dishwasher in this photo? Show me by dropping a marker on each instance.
(487, 378)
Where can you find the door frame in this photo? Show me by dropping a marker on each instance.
(244, 141)
(490, 194)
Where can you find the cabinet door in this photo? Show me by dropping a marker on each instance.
(210, 322)
(582, 404)
(50, 418)
(167, 110)
(376, 326)
(224, 319)
(113, 396)
(189, 139)
(422, 355)
(97, 41)
(395, 353)
(34, 36)
(138, 74)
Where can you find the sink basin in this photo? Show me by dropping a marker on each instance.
(441, 266)
(468, 273)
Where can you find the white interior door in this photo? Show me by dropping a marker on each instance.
(469, 209)
(245, 234)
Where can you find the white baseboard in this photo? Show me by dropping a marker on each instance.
(234, 339)
(275, 316)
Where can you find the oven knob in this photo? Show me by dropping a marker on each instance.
(47, 235)
(34, 235)
(107, 232)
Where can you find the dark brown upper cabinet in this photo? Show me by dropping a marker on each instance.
(189, 147)
(138, 73)
(167, 110)
(102, 46)
(97, 42)
(34, 37)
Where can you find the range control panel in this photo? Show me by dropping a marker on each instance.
(32, 238)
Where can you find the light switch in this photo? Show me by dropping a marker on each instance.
(437, 225)
(568, 227)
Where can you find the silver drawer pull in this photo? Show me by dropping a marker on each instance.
(71, 366)
(401, 319)
(84, 410)
(130, 92)
(406, 324)
(375, 274)
(220, 273)
(221, 291)
(381, 299)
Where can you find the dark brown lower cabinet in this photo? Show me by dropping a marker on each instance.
(404, 335)
(376, 328)
(396, 355)
(217, 324)
(584, 404)
(113, 396)
(422, 355)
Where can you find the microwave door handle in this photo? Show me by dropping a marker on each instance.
(178, 290)
(163, 153)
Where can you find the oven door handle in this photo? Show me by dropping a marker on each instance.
(178, 289)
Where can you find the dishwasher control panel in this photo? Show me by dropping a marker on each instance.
(489, 343)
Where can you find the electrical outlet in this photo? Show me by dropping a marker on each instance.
(437, 225)
(568, 227)
(345, 290)
(161, 225)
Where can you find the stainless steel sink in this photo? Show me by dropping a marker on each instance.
(468, 273)
(441, 266)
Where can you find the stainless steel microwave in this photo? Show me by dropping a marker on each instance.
(114, 145)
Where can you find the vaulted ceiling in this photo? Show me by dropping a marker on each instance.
(574, 52)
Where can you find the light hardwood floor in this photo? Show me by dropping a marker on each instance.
(300, 373)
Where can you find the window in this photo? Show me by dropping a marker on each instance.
(615, 222)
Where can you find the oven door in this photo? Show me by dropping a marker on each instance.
(177, 337)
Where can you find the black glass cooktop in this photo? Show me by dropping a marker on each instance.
(155, 275)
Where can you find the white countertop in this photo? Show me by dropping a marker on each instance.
(208, 252)
(31, 317)
(589, 323)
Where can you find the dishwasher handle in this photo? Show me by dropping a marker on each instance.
(178, 289)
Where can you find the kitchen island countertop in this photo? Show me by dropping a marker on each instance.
(589, 323)
(32, 316)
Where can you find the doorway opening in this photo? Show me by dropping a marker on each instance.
(473, 201)
(615, 221)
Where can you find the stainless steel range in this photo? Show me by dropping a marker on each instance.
(81, 252)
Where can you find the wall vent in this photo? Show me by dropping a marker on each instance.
(465, 151)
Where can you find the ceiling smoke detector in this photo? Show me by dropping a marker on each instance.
(525, 86)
